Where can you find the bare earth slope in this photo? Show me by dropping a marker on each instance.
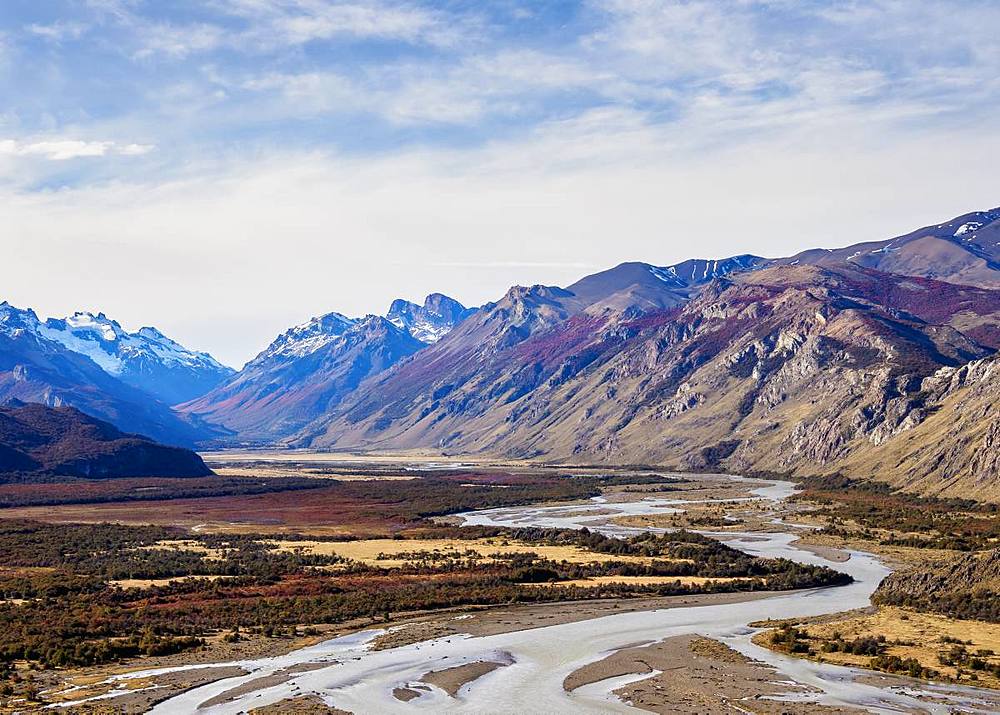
(964, 250)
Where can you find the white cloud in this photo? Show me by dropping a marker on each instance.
(265, 243)
(65, 149)
(58, 31)
(302, 22)
(176, 41)
(281, 24)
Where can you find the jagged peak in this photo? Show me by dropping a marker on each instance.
(538, 291)
(431, 321)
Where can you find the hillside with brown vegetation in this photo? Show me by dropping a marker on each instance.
(38, 441)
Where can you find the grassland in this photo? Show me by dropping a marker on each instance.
(897, 640)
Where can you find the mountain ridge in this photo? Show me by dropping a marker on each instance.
(146, 359)
(36, 440)
(784, 369)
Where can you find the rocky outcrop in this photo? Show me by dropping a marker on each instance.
(945, 436)
(967, 587)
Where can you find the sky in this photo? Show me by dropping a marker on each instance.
(223, 169)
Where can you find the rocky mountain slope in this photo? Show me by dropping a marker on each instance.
(947, 438)
(875, 360)
(34, 368)
(36, 440)
(146, 359)
(644, 287)
(305, 372)
(964, 250)
(788, 369)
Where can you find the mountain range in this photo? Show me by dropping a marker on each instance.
(875, 359)
(147, 359)
(310, 368)
(37, 366)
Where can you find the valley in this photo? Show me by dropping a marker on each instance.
(566, 579)
(499, 358)
(539, 493)
(217, 586)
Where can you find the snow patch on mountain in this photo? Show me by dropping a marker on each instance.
(968, 228)
(431, 321)
(697, 271)
(15, 321)
(112, 347)
(668, 275)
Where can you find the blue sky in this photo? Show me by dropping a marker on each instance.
(225, 168)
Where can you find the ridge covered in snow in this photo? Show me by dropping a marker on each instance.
(307, 337)
(146, 359)
(428, 323)
(112, 347)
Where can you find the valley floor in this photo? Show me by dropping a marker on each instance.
(366, 517)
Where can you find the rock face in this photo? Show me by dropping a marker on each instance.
(786, 369)
(34, 368)
(944, 438)
(62, 441)
(964, 250)
(968, 587)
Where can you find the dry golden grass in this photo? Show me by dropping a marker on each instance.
(295, 471)
(151, 582)
(639, 581)
(368, 550)
(306, 455)
(922, 633)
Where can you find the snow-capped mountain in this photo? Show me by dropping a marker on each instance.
(17, 321)
(431, 321)
(307, 370)
(698, 271)
(38, 368)
(306, 338)
(146, 359)
(964, 250)
(643, 286)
